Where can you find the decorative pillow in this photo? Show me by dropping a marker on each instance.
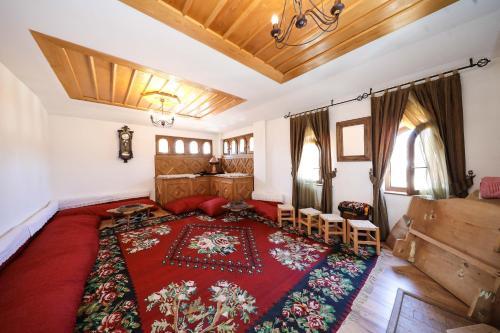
(213, 207)
(265, 209)
(187, 204)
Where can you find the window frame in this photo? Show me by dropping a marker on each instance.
(171, 144)
(410, 167)
(246, 151)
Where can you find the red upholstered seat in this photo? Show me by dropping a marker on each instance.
(213, 207)
(42, 287)
(100, 209)
(267, 209)
(187, 204)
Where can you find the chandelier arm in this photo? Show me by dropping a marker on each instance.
(288, 30)
(322, 10)
(282, 19)
(317, 18)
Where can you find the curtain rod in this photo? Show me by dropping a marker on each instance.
(480, 63)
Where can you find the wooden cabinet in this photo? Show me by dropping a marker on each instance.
(238, 188)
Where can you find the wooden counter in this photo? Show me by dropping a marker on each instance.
(231, 188)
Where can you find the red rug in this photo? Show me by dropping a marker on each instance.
(199, 275)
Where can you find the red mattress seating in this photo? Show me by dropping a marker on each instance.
(267, 209)
(100, 209)
(42, 286)
(41, 289)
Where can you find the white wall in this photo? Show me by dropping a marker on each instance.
(481, 100)
(24, 173)
(84, 157)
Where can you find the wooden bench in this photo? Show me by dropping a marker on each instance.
(286, 213)
(310, 218)
(363, 228)
(332, 225)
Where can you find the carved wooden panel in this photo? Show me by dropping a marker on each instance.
(241, 163)
(226, 189)
(173, 189)
(201, 186)
(172, 164)
(242, 189)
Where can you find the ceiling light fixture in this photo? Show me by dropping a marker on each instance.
(160, 118)
(325, 21)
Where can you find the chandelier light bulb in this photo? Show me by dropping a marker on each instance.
(274, 19)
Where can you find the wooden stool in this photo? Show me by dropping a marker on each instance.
(363, 228)
(286, 213)
(310, 218)
(333, 224)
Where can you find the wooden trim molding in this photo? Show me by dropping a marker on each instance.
(367, 140)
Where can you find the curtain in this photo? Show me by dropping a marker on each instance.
(297, 132)
(419, 119)
(307, 178)
(443, 99)
(320, 124)
(386, 111)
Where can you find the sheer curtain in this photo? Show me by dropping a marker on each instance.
(419, 119)
(308, 173)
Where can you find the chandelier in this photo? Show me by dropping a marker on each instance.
(325, 20)
(161, 117)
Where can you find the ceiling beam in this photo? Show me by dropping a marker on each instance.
(70, 65)
(193, 101)
(187, 6)
(130, 84)
(241, 18)
(94, 76)
(145, 89)
(113, 81)
(215, 12)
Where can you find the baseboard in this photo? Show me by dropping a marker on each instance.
(98, 199)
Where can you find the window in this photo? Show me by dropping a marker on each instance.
(179, 146)
(234, 147)
(242, 148)
(163, 146)
(193, 147)
(407, 171)
(309, 168)
(207, 149)
(243, 144)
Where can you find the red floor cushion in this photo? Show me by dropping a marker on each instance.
(187, 204)
(265, 209)
(100, 209)
(41, 289)
(213, 207)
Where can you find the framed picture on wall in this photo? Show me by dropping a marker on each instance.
(354, 140)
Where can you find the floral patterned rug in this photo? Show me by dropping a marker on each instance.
(193, 273)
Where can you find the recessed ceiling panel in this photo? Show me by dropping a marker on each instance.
(93, 76)
(241, 29)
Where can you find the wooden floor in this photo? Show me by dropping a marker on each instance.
(373, 306)
(372, 309)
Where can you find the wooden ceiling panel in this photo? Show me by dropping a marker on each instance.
(241, 29)
(93, 76)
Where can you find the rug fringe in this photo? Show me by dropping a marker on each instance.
(363, 296)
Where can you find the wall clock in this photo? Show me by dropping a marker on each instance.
(125, 139)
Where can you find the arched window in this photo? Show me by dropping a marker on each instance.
(206, 148)
(242, 148)
(234, 147)
(193, 147)
(163, 146)
(310, 159)
(226, 148)
(179, 146)
(251, 143)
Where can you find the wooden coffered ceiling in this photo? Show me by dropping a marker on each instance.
(93, 76)
(241, 29)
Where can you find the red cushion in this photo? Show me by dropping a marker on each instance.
(187, 204)
(41, 289)
(265, 209)
(100, 209)
(213, 207)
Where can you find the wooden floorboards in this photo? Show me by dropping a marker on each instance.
(372, 309)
